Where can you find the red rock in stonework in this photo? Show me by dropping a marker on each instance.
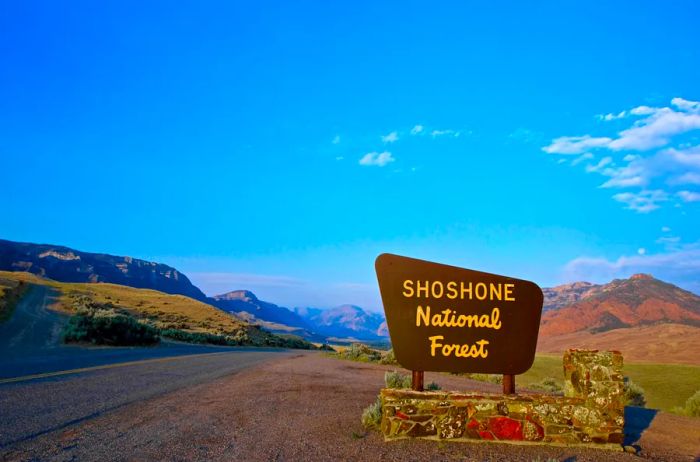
(486, 435)
(473, 423)
(505, 428)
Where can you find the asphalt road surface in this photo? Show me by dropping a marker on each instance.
(37, 406)
(46, 385)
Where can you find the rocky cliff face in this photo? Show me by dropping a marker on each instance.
(68, 265)
(567, 294)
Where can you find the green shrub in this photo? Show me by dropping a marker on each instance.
(372, 415)
(634, 394)
(548, 384)
(116, 330)
(492, 378)
(433, 386)
(692, 405)
(360, 352)
(196, 337)
(388, 358)
(395, 379)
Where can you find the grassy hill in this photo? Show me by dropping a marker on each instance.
(160, 310)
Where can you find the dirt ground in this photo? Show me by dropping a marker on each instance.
(305, 408)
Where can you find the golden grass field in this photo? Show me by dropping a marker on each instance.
(164, 311)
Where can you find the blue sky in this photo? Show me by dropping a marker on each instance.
(281, 147)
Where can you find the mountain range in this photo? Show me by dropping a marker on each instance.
(346, 322)
(647, 318)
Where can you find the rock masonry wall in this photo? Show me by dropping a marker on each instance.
(591, 412)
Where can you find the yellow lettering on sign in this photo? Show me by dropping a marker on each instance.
(449, 318)
(407, 288)
(465, 350)
(454, 290)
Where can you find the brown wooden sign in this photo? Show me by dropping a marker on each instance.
(444, 318)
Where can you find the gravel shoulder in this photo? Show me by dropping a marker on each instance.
(303, 407)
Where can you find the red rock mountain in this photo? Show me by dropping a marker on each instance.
(638, 301)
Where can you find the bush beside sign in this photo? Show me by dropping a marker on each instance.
(449, 319)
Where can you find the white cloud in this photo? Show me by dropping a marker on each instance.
(336, 139)
(641, 251)
(687, 178)
(689, 157)
(653, 131)
(609, 117)
(377, 159)
(448, 132)
(656, 130)
(672, 162)
(665, 229)
(602, 163)
(684, 104)
(391, 137)
(581, 158)
(575, 144)
(417, 129)
(689, 196)
(644, 201)
(339, 158)
(642, 110)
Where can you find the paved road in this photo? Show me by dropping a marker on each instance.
(35, 407)
(46, 386)
(30, 342)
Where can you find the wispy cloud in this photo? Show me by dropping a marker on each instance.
(609, 117)
(689, 196)
(575, 144)
(643, 201)
(658, 164)
(447, 132)
(336, 139)
(391, 137)
(377, 159)
(417, 129)
(652, 131)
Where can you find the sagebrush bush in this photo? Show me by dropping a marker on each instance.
(433, 386)
(493, 378)
(634, 394)
(692, 405)
(117, 330)
(372, 415)
(388, 358)
(395, 379)
(360, 352)
(548, 384)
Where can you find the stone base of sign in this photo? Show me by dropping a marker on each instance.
(591, 413)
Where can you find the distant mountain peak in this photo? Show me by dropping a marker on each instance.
(243, 295)
(637, 301)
